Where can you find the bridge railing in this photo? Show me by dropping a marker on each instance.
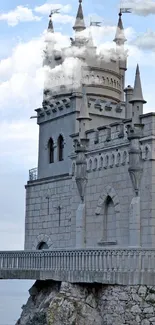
(93, 260)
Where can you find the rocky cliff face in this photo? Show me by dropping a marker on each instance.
(55, 303)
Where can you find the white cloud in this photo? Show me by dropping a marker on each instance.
(146, 41)
(62, 17)
(47, 7)
(141, 7)
(19, 14)
(22, 135)
(20, 77)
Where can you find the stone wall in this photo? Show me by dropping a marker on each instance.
(52, 203)
(55, 303)
(107, 176)
(48, 213)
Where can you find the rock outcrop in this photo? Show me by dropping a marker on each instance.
(55, 303)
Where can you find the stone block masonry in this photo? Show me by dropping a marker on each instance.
(61, 303)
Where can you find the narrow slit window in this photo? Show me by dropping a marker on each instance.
(51, 151)
(60, 148)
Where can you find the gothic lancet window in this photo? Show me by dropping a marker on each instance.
(60, 148)
(51, 151)
(110, 220)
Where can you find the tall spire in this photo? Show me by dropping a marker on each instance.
(137, 92)
(79, 23)
(120, 36)
(50, 25)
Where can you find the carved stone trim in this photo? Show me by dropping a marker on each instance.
(42, 238)
(108, 191)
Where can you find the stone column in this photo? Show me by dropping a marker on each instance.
(128, 107)
(81, 182)
(135, 172)
(80, 226)
(134, 222)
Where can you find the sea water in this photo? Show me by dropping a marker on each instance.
(13, 295)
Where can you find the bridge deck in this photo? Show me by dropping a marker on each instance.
(129, 266)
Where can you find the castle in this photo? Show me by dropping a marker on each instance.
(95, 182)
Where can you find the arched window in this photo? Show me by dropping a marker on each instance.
(146, 152)
(98, 79)
(110, 220)
(101, 162)
(118, 160)
(124, 157)
(60, 148)
(42, 246)
(106, 163)
(95, 163)
(51, 151)
(103, 80)
(90, 165)
(112, 160)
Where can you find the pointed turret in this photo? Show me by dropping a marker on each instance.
(137, 92)
(120, 36)
(79, 23)
(50, 25)
(120, 52)
(137, 99)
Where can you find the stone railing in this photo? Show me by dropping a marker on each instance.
(113, 266)
(33, 174)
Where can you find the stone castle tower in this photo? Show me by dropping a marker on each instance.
(95, 178)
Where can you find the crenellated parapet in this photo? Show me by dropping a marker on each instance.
(53, 108)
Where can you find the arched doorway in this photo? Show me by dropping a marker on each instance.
(42, 246)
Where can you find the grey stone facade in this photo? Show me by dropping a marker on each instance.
(102, 192)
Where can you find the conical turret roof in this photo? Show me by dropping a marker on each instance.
(84, 113)
(137, 92)
(50, 25)
(79, 22)
(120, 36)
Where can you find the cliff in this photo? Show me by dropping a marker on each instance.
(55, 303)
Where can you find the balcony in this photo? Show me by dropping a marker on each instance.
(33, 174)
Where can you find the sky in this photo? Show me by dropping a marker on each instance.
(23, 25)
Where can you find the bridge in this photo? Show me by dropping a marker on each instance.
(124, 266)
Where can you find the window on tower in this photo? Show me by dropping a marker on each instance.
(51, 151)
(60, 148)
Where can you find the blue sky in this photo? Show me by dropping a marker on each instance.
(22, 26)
